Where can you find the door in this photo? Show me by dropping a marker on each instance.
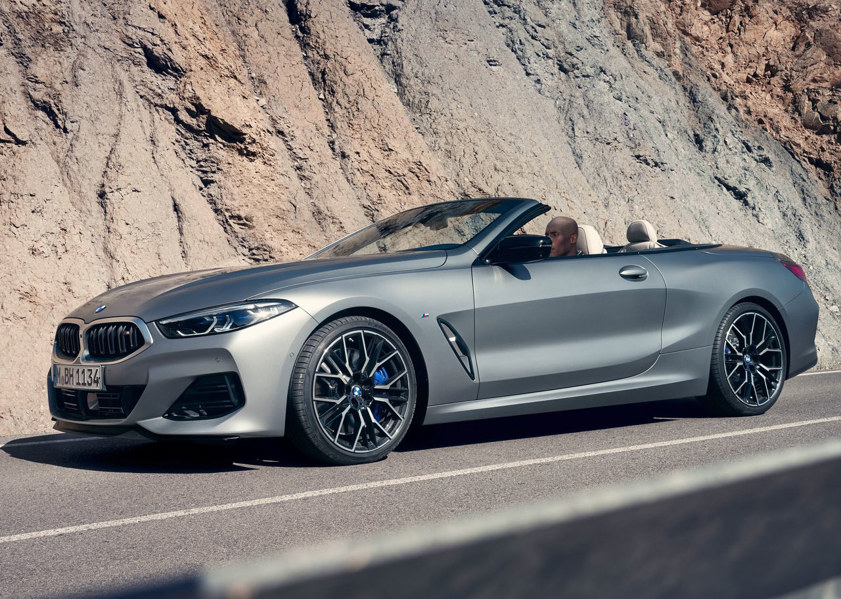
(564, 322)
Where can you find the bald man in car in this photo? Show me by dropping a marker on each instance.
(563, 231)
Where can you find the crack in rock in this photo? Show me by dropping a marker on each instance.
(161, 62)
(51, 110)
(12, 138)
(737, 192)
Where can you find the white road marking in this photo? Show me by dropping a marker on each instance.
(54, 532)
(63, 440)
(820, 372)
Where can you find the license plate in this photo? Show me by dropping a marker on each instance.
(77, 377)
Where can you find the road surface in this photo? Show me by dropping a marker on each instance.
(83, 515)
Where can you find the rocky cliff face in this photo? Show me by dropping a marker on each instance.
(140, 138)
(779, 65)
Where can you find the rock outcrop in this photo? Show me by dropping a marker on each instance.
(779, 65)
(141, 138)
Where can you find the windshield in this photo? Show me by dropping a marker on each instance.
(436, 227)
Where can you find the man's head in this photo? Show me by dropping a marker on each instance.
(563, 231)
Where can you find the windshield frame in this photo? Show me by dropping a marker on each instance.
(503, 208)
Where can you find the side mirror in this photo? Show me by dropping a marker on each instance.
(521, 249)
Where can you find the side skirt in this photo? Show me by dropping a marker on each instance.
(673, 375)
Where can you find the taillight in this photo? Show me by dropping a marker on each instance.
(796, 270)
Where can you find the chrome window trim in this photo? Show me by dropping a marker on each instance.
(83, 357)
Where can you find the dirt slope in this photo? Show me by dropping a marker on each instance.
(141, 138)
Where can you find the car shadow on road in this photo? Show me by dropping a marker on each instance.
(182, 457)
(554, 423)
(161, 457)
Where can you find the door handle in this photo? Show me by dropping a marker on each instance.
(633, 273)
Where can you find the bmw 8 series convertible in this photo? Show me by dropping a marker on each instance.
(443, 313)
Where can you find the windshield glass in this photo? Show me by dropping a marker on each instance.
(436, 227)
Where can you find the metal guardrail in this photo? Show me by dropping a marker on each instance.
(763, 527)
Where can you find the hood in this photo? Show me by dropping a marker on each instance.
(157, 298)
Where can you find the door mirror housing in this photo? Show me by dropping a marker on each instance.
(519, 249)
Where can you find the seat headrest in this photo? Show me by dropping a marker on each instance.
(589, 241)
(641, 230)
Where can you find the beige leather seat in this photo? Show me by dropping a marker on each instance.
(641, 236)
(589, 241)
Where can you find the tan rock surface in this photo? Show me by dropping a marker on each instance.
(142, 138)
(776, 63)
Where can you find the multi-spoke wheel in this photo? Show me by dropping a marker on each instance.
(748, 362)
(353, 392)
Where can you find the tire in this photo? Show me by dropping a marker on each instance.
(353, 392)
(749, 363)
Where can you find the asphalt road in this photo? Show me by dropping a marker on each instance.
(82, 515)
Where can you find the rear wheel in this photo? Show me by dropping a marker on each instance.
(749, 362)
(353, 392)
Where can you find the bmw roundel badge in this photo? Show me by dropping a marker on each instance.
(100, 309)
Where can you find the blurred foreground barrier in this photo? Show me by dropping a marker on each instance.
(764, 527)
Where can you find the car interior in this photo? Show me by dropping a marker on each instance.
(641, 235)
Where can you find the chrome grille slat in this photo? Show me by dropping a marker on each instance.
(110, 339)
(121, 342)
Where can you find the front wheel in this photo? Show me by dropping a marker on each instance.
(749, 363)
(353, 392)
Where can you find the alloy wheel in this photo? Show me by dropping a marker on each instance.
(753, 359)
(361, 390)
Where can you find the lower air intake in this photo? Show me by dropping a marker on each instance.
(116, 402)
(209, 396)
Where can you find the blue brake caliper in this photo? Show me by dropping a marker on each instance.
(380, 377)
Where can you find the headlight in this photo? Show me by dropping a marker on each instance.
(222, 319)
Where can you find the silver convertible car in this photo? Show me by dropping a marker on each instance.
(441, 313)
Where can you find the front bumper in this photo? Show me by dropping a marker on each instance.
(262, 356)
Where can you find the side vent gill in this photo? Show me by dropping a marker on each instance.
(459, 346)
